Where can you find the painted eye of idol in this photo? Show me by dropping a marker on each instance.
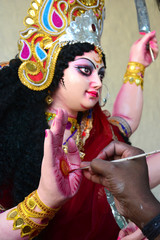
(101, 73)
(85, 70)
(86, 67)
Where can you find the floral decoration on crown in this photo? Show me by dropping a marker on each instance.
(51, 25)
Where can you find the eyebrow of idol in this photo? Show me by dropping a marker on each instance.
(102, 68)
(87, 60)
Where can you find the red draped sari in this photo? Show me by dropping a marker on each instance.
(87, 216)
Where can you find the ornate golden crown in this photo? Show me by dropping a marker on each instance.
(51, 25)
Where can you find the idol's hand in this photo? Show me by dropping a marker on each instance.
(131, 232)
(56, 184)
(140, 49)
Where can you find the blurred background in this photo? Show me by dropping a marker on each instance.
(120, 32)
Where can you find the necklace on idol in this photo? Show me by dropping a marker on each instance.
(74, 127)
(71, 124)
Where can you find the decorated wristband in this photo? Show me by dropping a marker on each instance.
(134, 73)
(152, 229)
(24, 214)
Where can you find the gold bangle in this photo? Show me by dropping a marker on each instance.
(19, 223)
(23, 216)
(135, 66)
(134, 73)
(42, 206)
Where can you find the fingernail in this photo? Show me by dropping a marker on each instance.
(46, 133)
(142, 33)
(153, 31)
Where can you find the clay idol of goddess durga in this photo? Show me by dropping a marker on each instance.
(51, 120)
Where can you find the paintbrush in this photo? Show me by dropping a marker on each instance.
(121, 160)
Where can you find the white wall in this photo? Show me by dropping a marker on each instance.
(120, 31)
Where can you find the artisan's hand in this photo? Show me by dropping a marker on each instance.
(56, 184)
(140, 51)
(127, 181)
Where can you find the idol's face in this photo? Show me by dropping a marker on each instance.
(82, 82)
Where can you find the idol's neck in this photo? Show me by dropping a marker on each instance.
(55, 105)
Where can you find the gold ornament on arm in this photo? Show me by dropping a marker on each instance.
(134, 74)
(25, 214)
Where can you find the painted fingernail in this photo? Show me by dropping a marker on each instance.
(142, 33)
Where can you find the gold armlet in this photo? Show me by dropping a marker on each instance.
(134, 73)
(24, 216)
(122, 125)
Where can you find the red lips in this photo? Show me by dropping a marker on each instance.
(93, 93)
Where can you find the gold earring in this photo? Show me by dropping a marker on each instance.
(49, 99)
(104, 100)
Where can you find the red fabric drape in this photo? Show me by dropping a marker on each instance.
(87, 216)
